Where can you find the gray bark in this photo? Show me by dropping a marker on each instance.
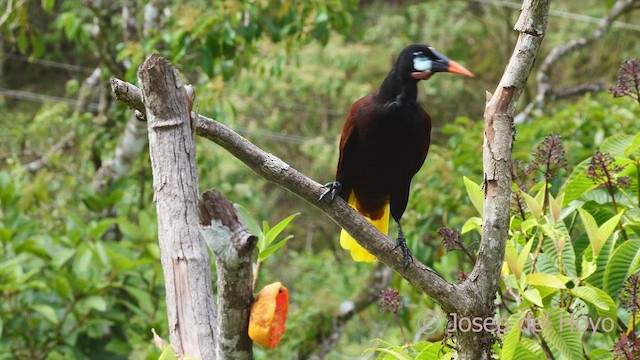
(233, 245)
(482, 284)
(185, 261)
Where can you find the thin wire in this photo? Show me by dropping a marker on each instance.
(266, 134)
(562, 14)
(51, 63)
(30, 96)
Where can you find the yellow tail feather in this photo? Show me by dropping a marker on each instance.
(358, 253)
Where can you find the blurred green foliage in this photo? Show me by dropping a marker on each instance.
(283, 74)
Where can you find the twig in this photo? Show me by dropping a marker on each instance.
(545, 89)
(82, 104)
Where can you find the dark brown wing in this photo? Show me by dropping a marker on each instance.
(426, 120)
(348, 145)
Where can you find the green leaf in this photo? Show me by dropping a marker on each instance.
(605, 230)
(617, 145)
(611, 312)
(37, 43)
(589, 266)
(95, 302)
(476, 194)
(522, 259)
(578, 183)
(168, 354)
(511, 257)
(82, 262)
(535, 204)
(23, 41)
(555, 206)
(130, 229)
(474, 223)
(533, 295)
(248, 220)
(273, 248)
(528, 224)
(598, 235)
(552, 281)
(143, 298)
(589, 295)
(546, 265)
(273, 233)
(47, 311)
(597, 278)
(564, 256)
(397, 354)
(61, 257)
(600, 354)
(511, 339)
(633, 147)
(102, 227)
(590, 224)
(47, 5)
(62, 287)
(559, 335)
(529, 349)
(430, 351)
(623, 263)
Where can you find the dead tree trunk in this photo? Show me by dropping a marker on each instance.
(185, 261)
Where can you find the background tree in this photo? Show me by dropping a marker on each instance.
(51, 219)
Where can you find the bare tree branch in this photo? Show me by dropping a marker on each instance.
(545, 89)
(9, 10)
(277, 171)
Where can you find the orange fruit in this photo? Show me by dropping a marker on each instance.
(267, 321)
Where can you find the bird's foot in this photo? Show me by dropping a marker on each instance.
(406, 254)
(333, 189)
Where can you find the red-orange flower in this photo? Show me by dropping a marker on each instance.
(268, 318)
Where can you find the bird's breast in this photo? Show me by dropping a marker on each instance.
(394, 139)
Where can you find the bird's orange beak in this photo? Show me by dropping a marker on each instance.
(456, 68)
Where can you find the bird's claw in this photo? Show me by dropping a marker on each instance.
(333, 188)
(406, 254)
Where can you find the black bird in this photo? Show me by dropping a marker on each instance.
(384, 142)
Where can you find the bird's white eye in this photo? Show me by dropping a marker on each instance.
(421, 63)
(418, 54)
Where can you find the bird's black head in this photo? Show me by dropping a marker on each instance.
(419, 62)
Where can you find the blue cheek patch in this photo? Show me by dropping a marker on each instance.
(421, 64)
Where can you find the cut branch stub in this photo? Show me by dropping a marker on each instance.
(233, 245)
